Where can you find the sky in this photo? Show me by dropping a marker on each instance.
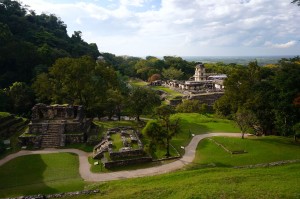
(181, 27)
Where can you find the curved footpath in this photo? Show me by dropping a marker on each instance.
(87, 175)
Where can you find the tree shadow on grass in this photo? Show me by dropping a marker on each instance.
(276, 140)
(193, 128)
(23, 176)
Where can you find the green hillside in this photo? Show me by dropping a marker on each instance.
(10, 128)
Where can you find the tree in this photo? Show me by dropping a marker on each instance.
(30, 43)
(21, 97)
(191, 106)
(155, 132)
(246, 120)
(77, 81)
(114, 103)
(286, 83)
(142, 100)
(172, 73)
(296, 129)
(154, 77)
(4, 101)
(170, 126)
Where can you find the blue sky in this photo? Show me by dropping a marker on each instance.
(182, 27)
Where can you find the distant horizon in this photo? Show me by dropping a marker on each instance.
(211, 56)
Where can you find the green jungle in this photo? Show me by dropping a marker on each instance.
(41, 63)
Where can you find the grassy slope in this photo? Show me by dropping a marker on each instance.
(4, 114)
(260, 150)
(275, 182)
(194, 123)
(111, 124)
(137, 82)
(14, 141)
(33, 174)
(172, 93)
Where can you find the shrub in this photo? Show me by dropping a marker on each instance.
(192, 106)
(2, 146)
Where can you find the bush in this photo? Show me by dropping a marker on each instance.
(2, 146)
(192, 106)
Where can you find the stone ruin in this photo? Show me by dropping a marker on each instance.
(56, 125)
(125, 155)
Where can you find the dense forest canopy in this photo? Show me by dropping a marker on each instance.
(30, 43)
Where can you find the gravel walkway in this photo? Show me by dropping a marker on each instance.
(87, 175)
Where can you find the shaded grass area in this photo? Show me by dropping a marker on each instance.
(274, 182)
(47, 173)
(14, 141)
(81, 146)
(259, 150)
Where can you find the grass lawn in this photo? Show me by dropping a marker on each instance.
(259, 150)
(111, 124)
(274, 182)
(172, 93)
(4, 114)
(81, 146)
(47, 173)
(194, 123)
(117, 141)
(137, 82)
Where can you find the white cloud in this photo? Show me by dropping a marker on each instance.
(281, 45)
(138, 3)
(183, 26)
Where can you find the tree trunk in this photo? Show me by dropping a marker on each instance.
(119, 113)
(138, 118)
(243, 135)
(168, 148)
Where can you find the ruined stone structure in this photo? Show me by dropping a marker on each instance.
(201, 81)
(200, 74)
(207, 98)
(131, 151)
(56, 125)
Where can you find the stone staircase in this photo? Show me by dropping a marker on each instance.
(100, 149)
(51, 139)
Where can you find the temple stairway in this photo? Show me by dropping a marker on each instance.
(51, 139)
(100, 149)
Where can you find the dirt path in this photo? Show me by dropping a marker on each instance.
(87, 175)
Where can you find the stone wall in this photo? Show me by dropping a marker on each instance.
(207, 98)
(30, 140)
(175, 102)
(37, 128)
(74, 138)
(60, 195)
(73, 127)
(127, 162)
(124, 154)
(46, 112)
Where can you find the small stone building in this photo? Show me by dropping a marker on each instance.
(56, 125)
